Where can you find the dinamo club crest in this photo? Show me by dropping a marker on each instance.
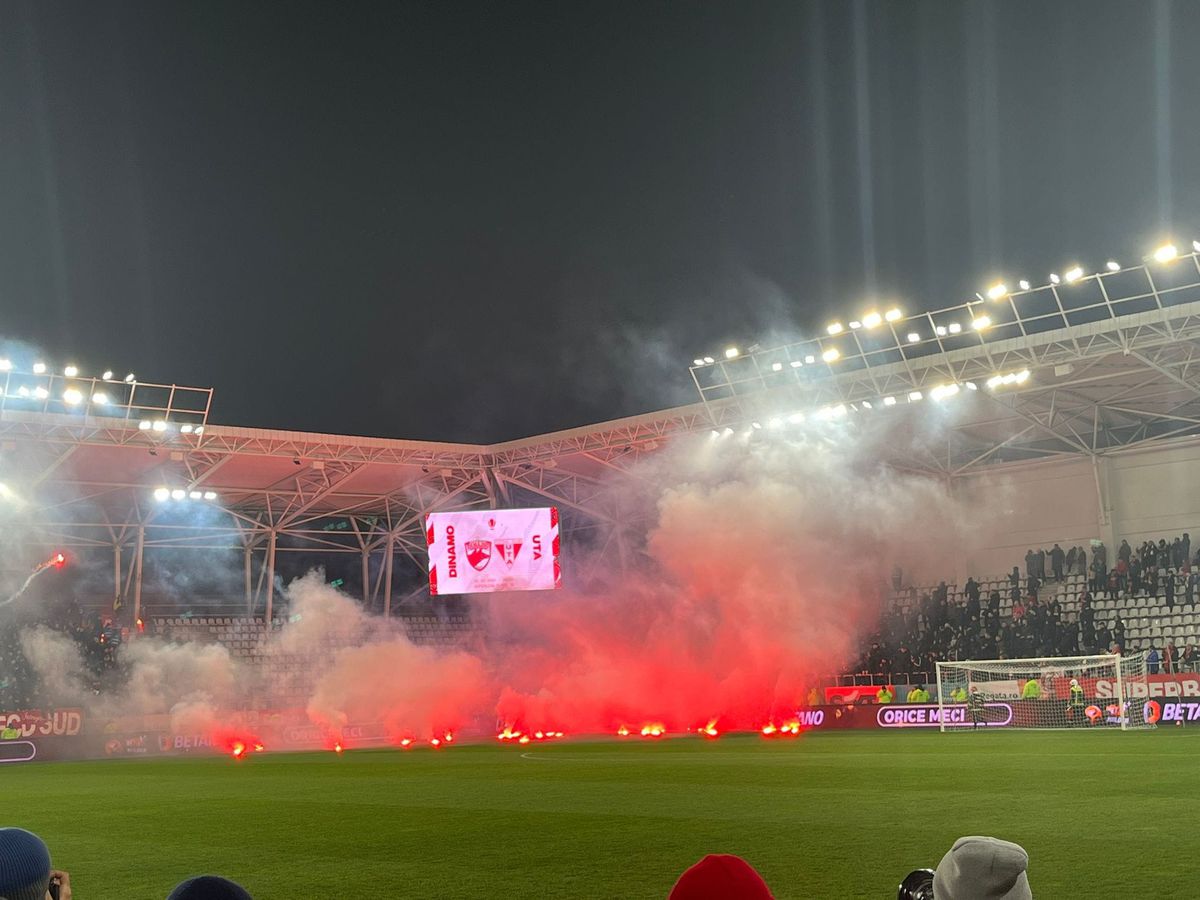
(479, 554)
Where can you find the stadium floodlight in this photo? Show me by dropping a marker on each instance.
(72, 397)
(889, 401)
(774, 422)
(195, 495)
(796, 418)
(186, 429)
(130, 378)
(940, 331)
(715, 433)
(162, 495)
(995, 381)
(997, 291)
(199, 429)
(972, 386)
(914, 396)
(708, 360)
(22, 391)
(107, 376)
(727, 432)
(100, 397)
(943, 390)
(955, 328)
(39, 368)
(1165, 253)
(834, 328)
(872, 320)
(144, 425)
(1054, 279)
(866, 404)
(855, 325)
(893, 315)
(71, 371)
(1023, 284)
(1073, 274)
(5, 365)
(981, 323)
(777, 367)
(178, 494)
(913, 337)
(1022, 376)
(1113, 266)
(830, 355)
(796, 364)
(1196, 246)
(41, 393)
(810, 359)
(755, 425)
(160, 425)
(731, 353)
(697, 361)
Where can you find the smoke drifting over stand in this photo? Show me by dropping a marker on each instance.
(753, 567)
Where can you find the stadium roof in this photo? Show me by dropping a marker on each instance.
(1103, 376)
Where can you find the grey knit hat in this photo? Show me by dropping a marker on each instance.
(982, 868)
(209, 887)
(24, 865)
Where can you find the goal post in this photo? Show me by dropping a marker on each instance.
(1096, 692)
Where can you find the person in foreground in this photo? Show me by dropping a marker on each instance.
(25, 872)
(720, 876)
(982, 868)
(209, 887)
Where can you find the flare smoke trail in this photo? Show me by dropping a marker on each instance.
(759, 567)
(56, 561)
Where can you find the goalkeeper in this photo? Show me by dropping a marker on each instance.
(1075, 703)
(975, 707)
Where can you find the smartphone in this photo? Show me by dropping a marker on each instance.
(53, 888)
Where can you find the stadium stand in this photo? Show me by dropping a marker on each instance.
(1144, 599)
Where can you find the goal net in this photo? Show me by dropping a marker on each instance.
(1097, 692)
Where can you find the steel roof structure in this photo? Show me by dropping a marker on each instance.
(1113, 362)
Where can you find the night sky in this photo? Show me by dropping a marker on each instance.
(481, 221)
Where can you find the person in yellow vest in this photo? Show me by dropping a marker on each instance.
(8, 733)
(1075, 704)
(884, 695)
(814, 697)
(1032, 690)
(959, 694)
(918, 694)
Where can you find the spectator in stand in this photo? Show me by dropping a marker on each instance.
(1031, 587)
(1070, 561)
(885, 695)
(993, 606)
(209, 887)
(1135, 575)
(1152, 661)
(1040, 564)
(1014, 585)
(720, 875)
(25, 870)
(1186, 540)
(1189, 588)
(1069, 638)
(1118, 630)
(1081, 562)
(1099, 575)
(1170, 658)
(1087, 623)
(1057, 558)
(1018, 611)
(1169, 590)
(1030, 564)
(1122, 572)
(1103, 637)
(1164, 554)
(1124, 551)
(1177, 553)
(1190, 659)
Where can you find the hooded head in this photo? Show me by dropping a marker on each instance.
(720, 876)
(209, 887)
(24, 865)
(982, 868)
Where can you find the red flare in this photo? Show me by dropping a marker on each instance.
(434, 742)
(337, 748)
(259, 748)
(404, 742)
(623, 731)
(239, 750)
(524, 739)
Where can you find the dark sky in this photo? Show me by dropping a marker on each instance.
(480, 221)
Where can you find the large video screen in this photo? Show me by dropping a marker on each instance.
(482, 551)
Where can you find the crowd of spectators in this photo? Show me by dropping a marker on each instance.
(1036, 613)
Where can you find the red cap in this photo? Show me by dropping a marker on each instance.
(720, 876)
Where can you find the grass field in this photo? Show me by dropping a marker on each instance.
(826, 816)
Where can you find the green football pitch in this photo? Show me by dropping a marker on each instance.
(823, 816)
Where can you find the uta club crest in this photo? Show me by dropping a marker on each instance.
(508, 549)
(479, 554)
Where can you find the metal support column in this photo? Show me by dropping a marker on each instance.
(390, 550)
(137, 573)
(248, 565)
(117, 598)
(270, 576)
(366, 578)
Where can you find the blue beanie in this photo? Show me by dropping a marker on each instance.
(24, 865)
(209, 887)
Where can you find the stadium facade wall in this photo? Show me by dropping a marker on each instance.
(1133, 494)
